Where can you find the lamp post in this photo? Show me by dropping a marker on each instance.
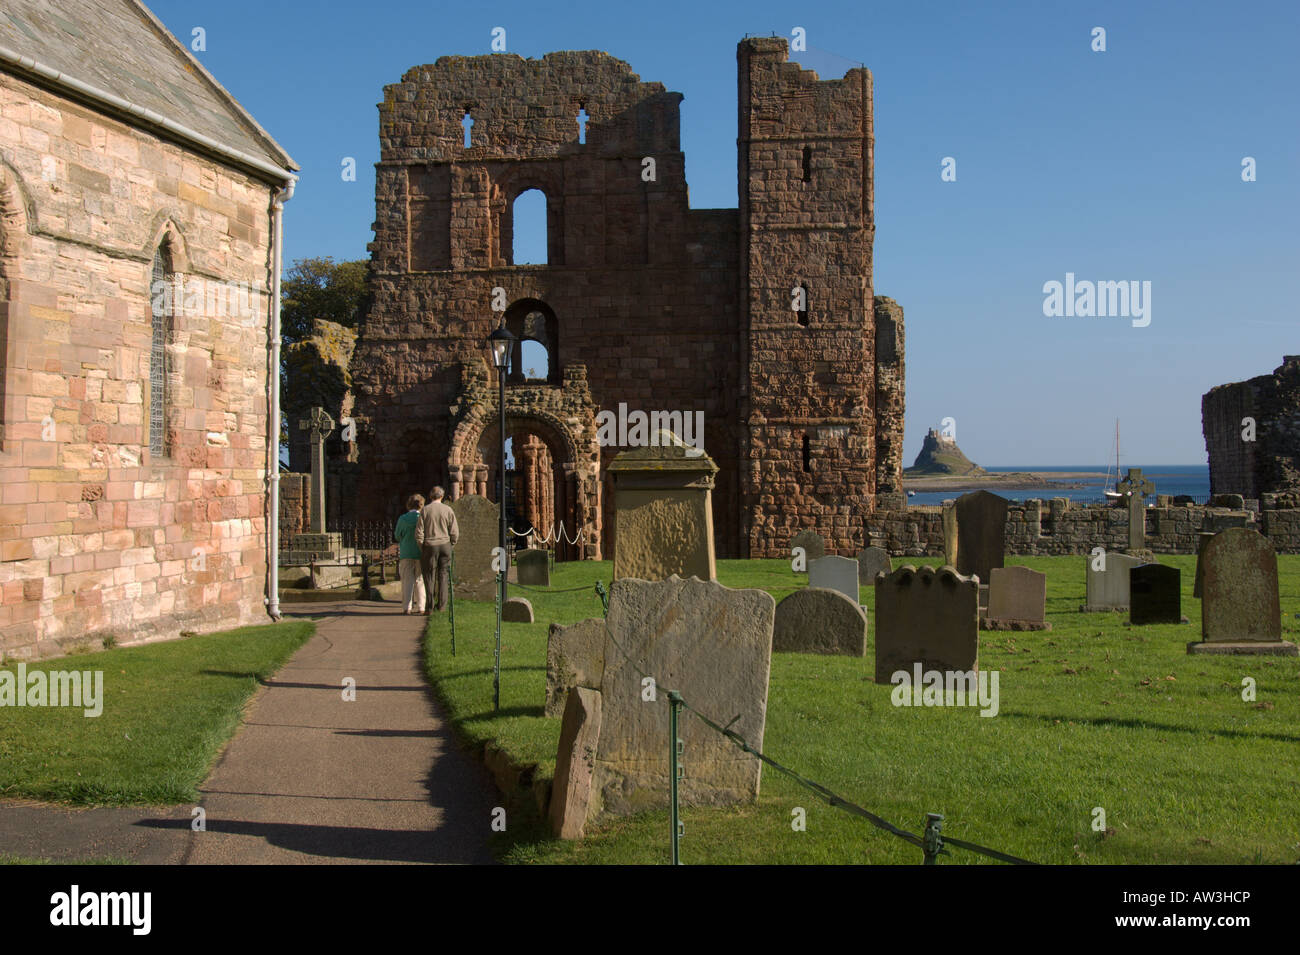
(501, 341)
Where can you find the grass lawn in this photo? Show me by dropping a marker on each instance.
(168, 709)
(1093, 714)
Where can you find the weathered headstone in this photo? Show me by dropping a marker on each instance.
(950, 533)
(575, 762)
(517, 610)
(1155, 594)
(981, 533)
(663, 511)
(835, 573)
(1240, 611)
(926, 616)
(713, 645)
(575, 656)
(1202, 538)
(1108, 589)
(812, 543)
(1135, 487)
(814, 620)
(872, 561)
(534, 568)
(1017, 600)
(478, 521)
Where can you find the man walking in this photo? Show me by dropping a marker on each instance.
(436, 533)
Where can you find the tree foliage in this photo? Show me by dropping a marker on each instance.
(320, 288)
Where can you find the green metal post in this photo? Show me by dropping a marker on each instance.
(451, 599)
(933, 837)
(676, 771)
(496, 660)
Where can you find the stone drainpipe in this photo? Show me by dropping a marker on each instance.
(273, 419)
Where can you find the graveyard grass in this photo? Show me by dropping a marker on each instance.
(168, 709)
(1093, 714)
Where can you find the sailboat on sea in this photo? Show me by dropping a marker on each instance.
(1113, 494)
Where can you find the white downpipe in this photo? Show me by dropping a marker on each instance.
(273, 419)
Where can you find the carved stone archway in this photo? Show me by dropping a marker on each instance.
(563, 419)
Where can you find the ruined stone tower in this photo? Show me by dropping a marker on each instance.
(762, 318)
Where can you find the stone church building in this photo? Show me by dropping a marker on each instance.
(138, 210)
(763, 318)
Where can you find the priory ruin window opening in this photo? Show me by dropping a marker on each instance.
(807, 164)
(801, 316)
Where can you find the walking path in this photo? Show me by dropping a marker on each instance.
(309, 777)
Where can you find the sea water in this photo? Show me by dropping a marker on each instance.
(1189, 479)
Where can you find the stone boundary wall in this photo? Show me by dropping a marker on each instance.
(1038, 527)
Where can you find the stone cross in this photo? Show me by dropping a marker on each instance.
(321, 426)
(1135, 487)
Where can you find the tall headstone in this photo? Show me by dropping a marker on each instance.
(811, 542)
(814, 620)
(575, 763)
(478, 521)
(1135, 488)
(663, 511)
(981, 533)
(1155, 594)
(1240, 611)
(317, 545)
(575, 656)
(1017, 599)
(1202, 538)
(835, 573)
(872, 561)
(714, 646)
(926, 616)
(534, 567)
(1108, 588)
(950, 533)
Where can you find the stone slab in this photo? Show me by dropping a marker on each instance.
(981, 533)
(872, 561)
(1155, 595)
(926, 616)
(1017, 599)
(478, 521)
(1108, 589)
(815, 620)
(517, 610)
(835, 573)
(575, 763)
(713, 645)
(330, 576)
(812, 543)
(575, 656)
(534, 567)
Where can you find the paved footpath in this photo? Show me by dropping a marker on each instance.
(310, 777)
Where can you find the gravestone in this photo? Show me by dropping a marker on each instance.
(872, 561)
(1240, 611)
(575, 656)
(1135, 487)
(812, 543)
(1017, 600)
(926, 616)
(575, 762)
(517, 610)
(330, 576)
(1155, 594)
(713, 645)
(534, 568)
(981, 533)
(1202, 538)
(949, 533)
(479, 523)
(835, 573)
(663, 511)
(1108, 589)
(814, 620)
(316, 544)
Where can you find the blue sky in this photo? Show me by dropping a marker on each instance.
(1117, 166)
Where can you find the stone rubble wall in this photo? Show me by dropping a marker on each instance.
(1046, 528)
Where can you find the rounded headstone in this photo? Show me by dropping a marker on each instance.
(816, 620)
(517, 610)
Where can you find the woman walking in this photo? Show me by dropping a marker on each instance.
(408, 555)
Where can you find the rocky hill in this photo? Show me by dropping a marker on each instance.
(940, 456)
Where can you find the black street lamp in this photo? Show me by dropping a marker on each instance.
(501, 342)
